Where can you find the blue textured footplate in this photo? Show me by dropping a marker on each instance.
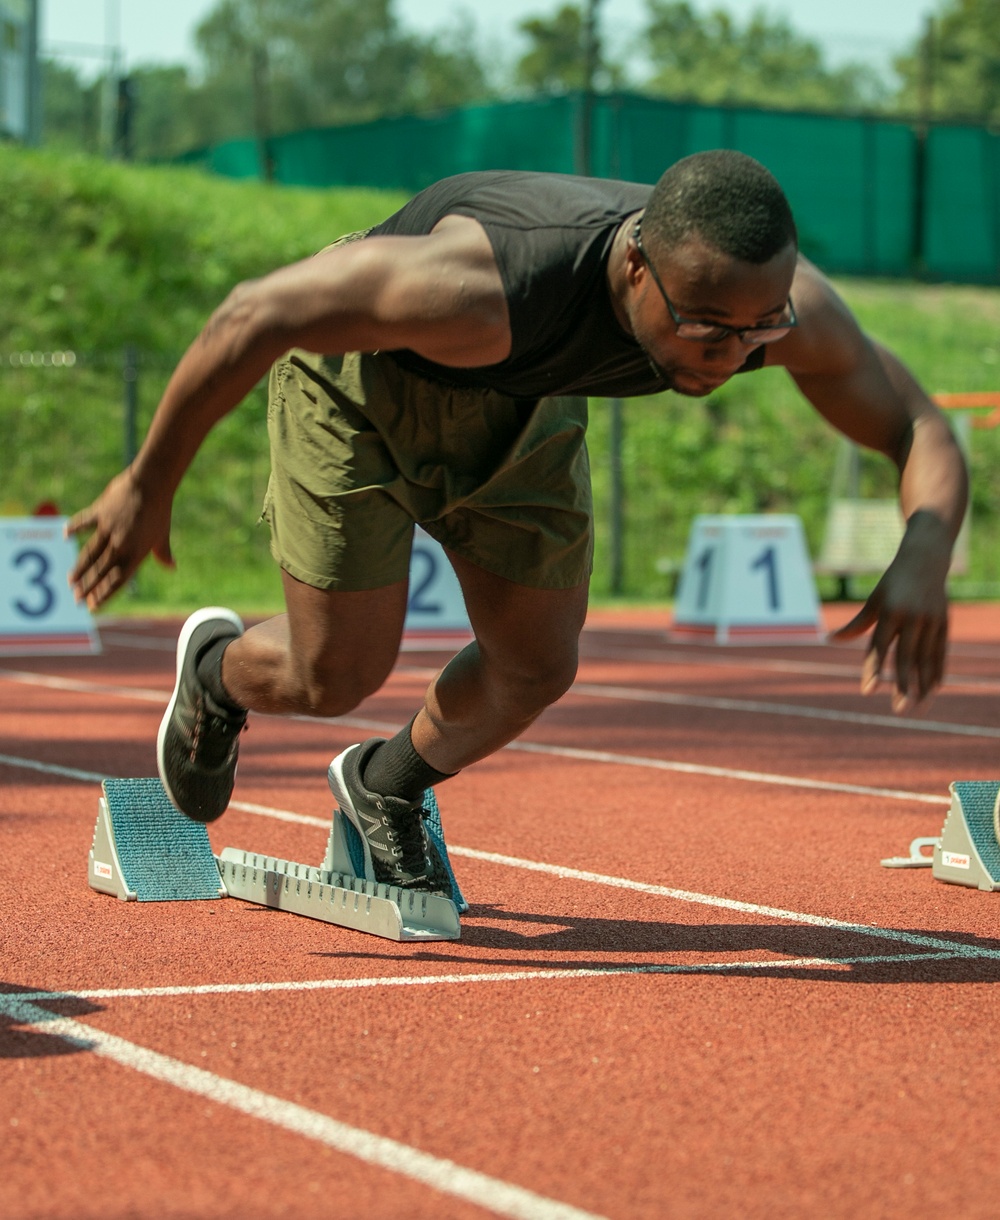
(432, 820)
(978, 800)
(164, 855)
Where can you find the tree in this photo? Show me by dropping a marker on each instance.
(953, 71)
(556, 60)
(72, 107)
(315, 62)
(713, 59)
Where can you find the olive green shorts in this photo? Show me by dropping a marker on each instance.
(361, 449)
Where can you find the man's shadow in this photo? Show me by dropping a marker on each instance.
(590, 943)
(18, 1016)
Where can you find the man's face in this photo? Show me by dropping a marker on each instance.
(703, 285)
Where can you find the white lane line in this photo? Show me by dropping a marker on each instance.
(579, 755)
(586, 689)
(960, 953)
(31, 764)
(751, 777)
(81, 686)
(800, 711)
(499, 1197)
(726, 904)
(556, 870)
(851, 672)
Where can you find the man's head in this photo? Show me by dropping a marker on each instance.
(727, 199)
(709, 268)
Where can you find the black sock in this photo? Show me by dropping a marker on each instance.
(396, 769)
(209, 670)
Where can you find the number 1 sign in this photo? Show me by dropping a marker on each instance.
(747, 579)
(37, 613)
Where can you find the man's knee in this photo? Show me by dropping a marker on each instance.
(334, 690)
(530, 684)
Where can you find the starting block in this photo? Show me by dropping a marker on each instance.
(967, 851)
(145, 850)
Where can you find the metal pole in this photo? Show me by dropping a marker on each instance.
(925, 105)
(591, 66)
(130, 379)
(616, 438)
(33, 79)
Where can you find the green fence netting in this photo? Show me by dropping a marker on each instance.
(872, 196)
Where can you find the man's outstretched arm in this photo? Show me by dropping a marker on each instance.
(439, 295)
(867, 393)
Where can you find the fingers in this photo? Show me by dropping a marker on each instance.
(101, 577)
(920, 657)
(85, 519)
(100, 570)
(858, 625)
(920, 643)
(907, 694)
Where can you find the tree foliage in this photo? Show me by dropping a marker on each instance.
(712, 59)
(954, 70)
(269, 66)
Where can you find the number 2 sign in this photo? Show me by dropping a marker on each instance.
(37, 612)
(746, 577)
(435, 601)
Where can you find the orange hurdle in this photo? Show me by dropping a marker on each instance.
(974, 401)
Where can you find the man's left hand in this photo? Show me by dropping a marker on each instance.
(909, 608)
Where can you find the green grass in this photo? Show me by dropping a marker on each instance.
(94, 256)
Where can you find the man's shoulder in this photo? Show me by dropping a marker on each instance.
(519, 199)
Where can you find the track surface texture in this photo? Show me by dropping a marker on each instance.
(685, 986)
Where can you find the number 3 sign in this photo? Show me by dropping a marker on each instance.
(37, 612)
(748, 578)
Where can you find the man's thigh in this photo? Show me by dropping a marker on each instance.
(528, 632)
(361, 449)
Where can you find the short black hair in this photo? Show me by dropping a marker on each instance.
(730, 200)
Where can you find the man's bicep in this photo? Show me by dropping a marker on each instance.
(858, 387)
(427, 294)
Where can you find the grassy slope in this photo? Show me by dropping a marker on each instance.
(94, 256)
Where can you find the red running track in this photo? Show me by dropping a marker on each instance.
(685, 987)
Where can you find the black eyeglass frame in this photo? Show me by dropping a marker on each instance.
(752, 336)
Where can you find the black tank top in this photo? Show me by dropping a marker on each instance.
(551, 236)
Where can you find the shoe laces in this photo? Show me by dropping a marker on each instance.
(217, 732)
(406, 832)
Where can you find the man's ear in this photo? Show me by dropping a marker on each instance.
(635, 266)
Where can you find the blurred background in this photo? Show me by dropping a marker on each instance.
(157, 151)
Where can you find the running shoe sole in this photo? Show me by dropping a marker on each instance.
(187, 631)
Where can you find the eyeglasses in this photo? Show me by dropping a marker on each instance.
(715, 332)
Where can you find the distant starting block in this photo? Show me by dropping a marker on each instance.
(145, 850)
(967, 852)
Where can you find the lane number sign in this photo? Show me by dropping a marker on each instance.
(747, 576)
(37, 613)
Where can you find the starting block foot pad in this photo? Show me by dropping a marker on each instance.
(344, 853)
(340, 898)
(145, 850)
(969, 850)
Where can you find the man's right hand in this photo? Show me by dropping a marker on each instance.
(126, 527)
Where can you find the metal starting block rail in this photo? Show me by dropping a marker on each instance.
(145, 850)
(350, 902)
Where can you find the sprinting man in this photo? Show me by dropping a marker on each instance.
(435, 369)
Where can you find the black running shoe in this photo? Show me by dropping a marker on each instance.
(199, 740)
(398, 850)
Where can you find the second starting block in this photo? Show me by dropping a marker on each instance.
(145, 850)
(967, 852)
